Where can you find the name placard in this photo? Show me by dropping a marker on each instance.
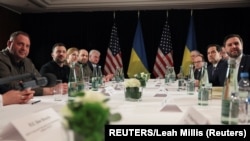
(40, 126)
(110, 90)
(192, 116)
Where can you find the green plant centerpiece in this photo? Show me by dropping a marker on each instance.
(87, 114)
(143, 78)
(133, 89)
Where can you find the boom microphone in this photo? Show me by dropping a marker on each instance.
(48, 79)
(15, 78)
(51, 78)
(37, 82)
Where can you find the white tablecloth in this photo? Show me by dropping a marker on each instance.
(146, 111)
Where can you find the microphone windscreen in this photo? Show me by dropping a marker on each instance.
(51, 78)
(20, 77)
(42, 81)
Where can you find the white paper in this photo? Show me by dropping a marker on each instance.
(110, 90)
(192, 116)
(41, 126)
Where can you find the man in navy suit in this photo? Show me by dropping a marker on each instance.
(94, 58)
(218, 66)
(234, 47)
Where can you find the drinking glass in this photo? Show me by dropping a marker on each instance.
(58, 91)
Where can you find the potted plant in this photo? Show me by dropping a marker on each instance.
(142, 77)
(87, 114)
(133, 89)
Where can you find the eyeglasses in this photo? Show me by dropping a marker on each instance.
(197, 62)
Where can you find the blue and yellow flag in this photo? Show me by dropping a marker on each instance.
(138, 59)
(190, 46)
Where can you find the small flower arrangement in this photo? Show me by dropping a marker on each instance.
(133, 90)
(132, 82)
(141, 75)
(87, 114)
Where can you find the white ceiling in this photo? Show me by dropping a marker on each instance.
(40, 6)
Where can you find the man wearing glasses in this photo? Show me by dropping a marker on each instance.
(198, 63)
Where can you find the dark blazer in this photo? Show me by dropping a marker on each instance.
(244, 65)
(90, 65)
(217, 77)
(8, 67)
(197, 74)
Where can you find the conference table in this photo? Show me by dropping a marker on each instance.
(160, 104)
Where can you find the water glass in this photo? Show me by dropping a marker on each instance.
(204, 94)
(86, 82)
(190, 87)
(58, 91)
(181, 84)
(80, 85)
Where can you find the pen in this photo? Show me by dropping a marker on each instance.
(36, 102)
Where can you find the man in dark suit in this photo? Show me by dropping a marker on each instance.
(234, 47)
(198, 64)
(218, 66)
(94, 57)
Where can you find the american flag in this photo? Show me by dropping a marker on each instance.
(164, 53)
(113, 58)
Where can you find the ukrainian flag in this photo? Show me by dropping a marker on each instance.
(138, 59)
(190, 45)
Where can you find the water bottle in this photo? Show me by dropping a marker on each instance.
(181, 81)
(99, 75)
(95, 79)
(167, 75)
(117, 74)
(191, 72)
(204, 87)
(244, 87)
(121, 75)
(80, 75)
(172, 74)
(191, 81)
(72, 84)
(230, 99)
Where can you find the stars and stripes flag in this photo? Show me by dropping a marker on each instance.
(164, 53)
(113, 57)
